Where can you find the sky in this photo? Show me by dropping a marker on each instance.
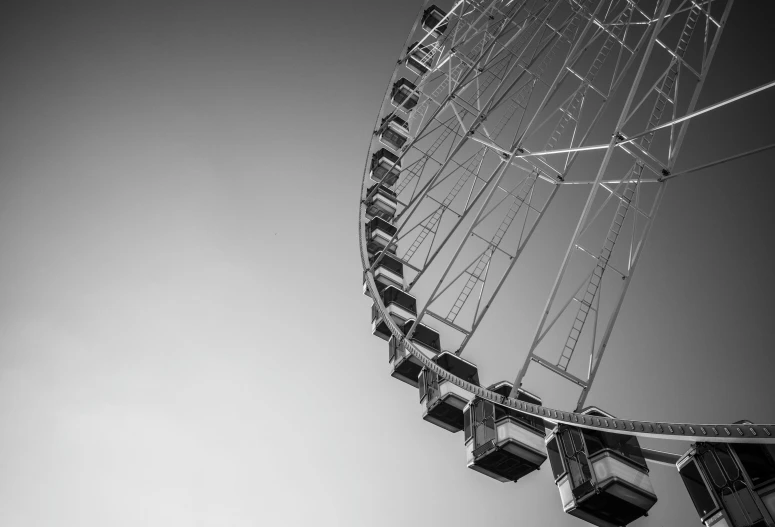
(183, 336)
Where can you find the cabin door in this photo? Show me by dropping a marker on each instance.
(576, 460)
(484, 423)
(727, 478)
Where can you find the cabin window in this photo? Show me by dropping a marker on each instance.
(384, 215)
(422, 380)
(381, 189)
(701, 497)
(757, 460)
(739, 503)
(531, 420)
(575, 457)
(420, 56)
(432, 16)
(380, 170)
(394, 265)
(394, 138)
(714, 470)
(467, 423)
(484, 422)
(727, 478)
(401, 95)
(423, 335)
(392, 295)
(624, 445)
(393, 347)
(423, 54)
(431, 385)
(728, 464)
(555, 460)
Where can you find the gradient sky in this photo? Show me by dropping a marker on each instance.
(183, 339)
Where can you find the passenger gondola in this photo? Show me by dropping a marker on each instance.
(501, 442)
(442, 401)
(393, 132)
(379, 234)
(602, 476)
(400, 306)
(382, 162)
(388, 272)
(382, 204)
(731, 485)
(403, 365)
(418, 58)
(431, 18)
(404, 94)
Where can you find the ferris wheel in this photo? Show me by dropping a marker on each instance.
(495, 108)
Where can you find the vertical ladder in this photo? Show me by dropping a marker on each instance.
(474, 277)
(593, 286)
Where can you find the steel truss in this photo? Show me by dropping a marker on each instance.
(628, 211)
(514, 92)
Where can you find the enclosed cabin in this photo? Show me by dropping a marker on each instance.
(443, 401)
(501, 442)
(399, 306)
(419, 58)
(388, 272)
(379, 234)
(404, 94)
(382, 204)
(385, 164)
(432, 21)
(602, 476)
(403, 365)
(731, 485)
(393, 132)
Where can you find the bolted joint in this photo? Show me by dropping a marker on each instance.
(619, 137)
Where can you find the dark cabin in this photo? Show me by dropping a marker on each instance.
(379, 234)
(405, 366)
(382, 162)
(388, 272)
(501, 442)
(393, 132)
(602, 476)
(443, 401)
(404, 94)
(400, 306)
(382, 204)
(419, 58)
(731, 485)
(431, 18)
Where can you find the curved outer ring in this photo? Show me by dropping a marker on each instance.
(724, 433)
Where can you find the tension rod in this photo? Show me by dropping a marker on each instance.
(719, 162)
